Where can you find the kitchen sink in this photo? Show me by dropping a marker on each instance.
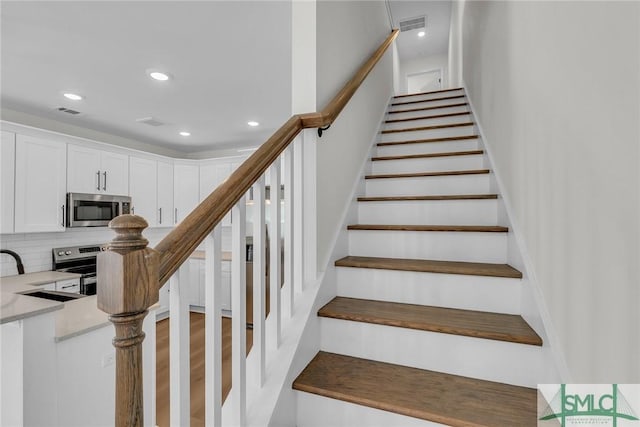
(54, 295)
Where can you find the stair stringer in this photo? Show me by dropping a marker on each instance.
(324, 290)
(532, 306)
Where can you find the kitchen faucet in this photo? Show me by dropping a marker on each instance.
(16, 257)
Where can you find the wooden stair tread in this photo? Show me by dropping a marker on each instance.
(431, 266)
(460, 104)
(443, 98)
(437, 116)
(421, 198)
(428, 93)
(422, 141)
(435, 127)
(470, 323)
(429, 155)
(434, 396)
(427, 174)
(420, 227)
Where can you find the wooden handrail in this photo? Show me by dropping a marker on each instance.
(178, 245)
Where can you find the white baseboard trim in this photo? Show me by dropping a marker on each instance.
(529, 273)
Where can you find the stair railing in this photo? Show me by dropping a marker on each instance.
(131, 274)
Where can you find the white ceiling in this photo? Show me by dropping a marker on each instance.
(231, 62)
(436, 40)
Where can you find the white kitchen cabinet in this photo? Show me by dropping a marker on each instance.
(97, 171)
(166, 213)
(71, 285)
(40, 187)
(185, 190)
(7, 185)
(212, 175)
(143, 187)
(226, 285)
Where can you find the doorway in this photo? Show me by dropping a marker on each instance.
(424, 81)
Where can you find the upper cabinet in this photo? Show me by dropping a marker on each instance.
(166, 213)
(7, 177)
(186, 190)
(212, 175)
(40, 184)
(143, 188)
(97, 171)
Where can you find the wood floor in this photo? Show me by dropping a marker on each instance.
(197, 367)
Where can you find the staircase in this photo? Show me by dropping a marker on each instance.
(425, 328)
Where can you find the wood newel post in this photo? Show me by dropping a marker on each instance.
(128, 278)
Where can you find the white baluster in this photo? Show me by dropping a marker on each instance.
(275, 245)
(288, 230)
(298, 214)
(238, 314)
(179, 369)
(259, 271)
(213, 328)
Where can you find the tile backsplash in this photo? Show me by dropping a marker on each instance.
(35, 248)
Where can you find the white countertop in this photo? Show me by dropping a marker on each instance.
(14, 306)
(72, 318)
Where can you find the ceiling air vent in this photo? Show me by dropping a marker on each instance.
(150, 121)
(68, 110)
(409, 24)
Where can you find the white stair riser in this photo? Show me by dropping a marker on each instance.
(434, 212)
(428, 122)
(430, 112)
(505, 362)
(493, 294)
(433, 185)
(318, 411)
(424, 134)
(427, 96)
(433, 164)
(425, 104)
(427, 147)
(436, 245)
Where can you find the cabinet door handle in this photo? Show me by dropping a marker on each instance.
(62, 207)
(133, 210)
(69, 286)
(175, 216)
(160, 215)
(104, 186)
(98, 187)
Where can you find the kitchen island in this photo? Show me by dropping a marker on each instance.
(57, 364)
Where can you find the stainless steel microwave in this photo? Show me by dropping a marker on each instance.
(95, 210)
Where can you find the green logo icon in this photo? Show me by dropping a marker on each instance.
(566, 405)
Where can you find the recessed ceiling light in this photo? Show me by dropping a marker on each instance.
(253, 124)
(158, 75)
(421, 34)
(72, 96)
(185, 133)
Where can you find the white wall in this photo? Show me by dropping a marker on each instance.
(419, 65)
(455, 43)
(556, 88)
(348, 32)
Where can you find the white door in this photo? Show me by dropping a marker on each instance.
(41, 182)
(186, 190)
(424, 82)
(143, 177)
(165, 195)
(8, 165)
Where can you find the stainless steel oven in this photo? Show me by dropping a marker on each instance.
(81, 260)
(95, 210)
